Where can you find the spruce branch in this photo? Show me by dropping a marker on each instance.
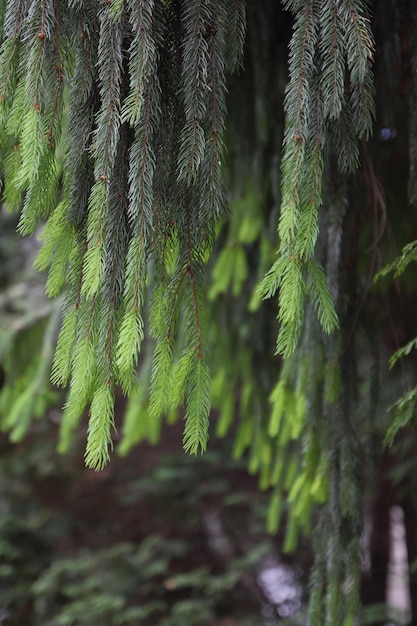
(142, 58)
(196, 19)
(333, 55)
(198, 407)
(213, 200)
(235, 33)
(9, 52)
(100, 423)
(405, 413)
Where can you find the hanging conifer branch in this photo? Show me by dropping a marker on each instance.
(330, 43)
(142, 109)
(41, 197)
(196, 20)
(10, 51)
(56, 109)
(332, 52)
(114, 272)
(359, 41)
(104, 146)
(212, 193)
(298, 165)
(142, 184)
(142, 58)
(235, 33)
(141, 187)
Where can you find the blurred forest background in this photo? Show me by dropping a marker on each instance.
(229, 538)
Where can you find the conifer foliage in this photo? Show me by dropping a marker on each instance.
(329, 103)
(113, 126)
(141, 186)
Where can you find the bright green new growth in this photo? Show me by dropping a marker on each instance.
(330, 84)
(141, 190)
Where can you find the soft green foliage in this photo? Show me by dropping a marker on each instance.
(141, 170)
(316, 103)
(128, 186)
